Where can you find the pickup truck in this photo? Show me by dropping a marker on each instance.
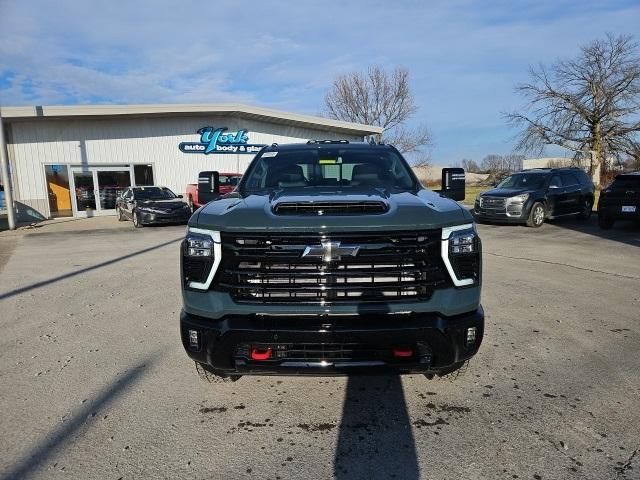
(330, 258)
(227, 182)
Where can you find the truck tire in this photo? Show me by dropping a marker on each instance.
(205, 373)
(120, 215)
(536, 215)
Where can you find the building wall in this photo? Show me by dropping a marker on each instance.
(152, 141)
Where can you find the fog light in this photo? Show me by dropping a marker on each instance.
(194, 339)
(471, 336)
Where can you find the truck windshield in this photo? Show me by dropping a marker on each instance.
(328, 168)
(523, 180)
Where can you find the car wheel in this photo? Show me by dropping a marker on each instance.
(587, 207)
(536, 216)
(120, 215)
(205, 373)
(136, 219)
(605, 222)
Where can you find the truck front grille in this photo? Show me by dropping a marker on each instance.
(296, 268)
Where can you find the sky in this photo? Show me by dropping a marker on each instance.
(465, 58)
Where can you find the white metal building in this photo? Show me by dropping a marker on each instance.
(73, 160)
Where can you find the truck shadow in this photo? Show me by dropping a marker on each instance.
(375, 439)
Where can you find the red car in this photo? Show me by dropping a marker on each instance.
(228, 182)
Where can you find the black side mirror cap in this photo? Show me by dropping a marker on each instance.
(453, 183)
(208, 186)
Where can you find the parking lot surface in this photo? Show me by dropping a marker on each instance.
(95, 383)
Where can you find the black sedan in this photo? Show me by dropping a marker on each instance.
(151, 205)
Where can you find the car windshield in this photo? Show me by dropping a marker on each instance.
(153, 193)
(523, 180)
(327, 167)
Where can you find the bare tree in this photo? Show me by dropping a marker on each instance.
(499, 166)
(589, 104)
(469, 165)
(381, 98)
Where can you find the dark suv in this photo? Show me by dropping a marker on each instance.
(620, 200)
(330, 258)
(531, 196)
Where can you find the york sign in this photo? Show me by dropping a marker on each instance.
(218, 140)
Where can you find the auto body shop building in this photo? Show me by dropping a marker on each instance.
(74, 160)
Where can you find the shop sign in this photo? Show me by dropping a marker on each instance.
(218, 140)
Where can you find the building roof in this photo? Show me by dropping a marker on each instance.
(240, 110)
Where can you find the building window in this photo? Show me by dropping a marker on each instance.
(143, 174)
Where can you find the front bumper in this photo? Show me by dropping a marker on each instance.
(501, 215)
(614, 211)
(147, 218)
(333, 345)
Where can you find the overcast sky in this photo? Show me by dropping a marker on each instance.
(464, 57)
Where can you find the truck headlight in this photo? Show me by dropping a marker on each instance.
(461, 249)
(200, 257)
(198, 245)
(462, 242)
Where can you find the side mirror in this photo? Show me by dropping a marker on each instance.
(208, 187)
(179, 196)
(453, 183)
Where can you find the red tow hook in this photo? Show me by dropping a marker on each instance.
(260, 354)
(402, 352)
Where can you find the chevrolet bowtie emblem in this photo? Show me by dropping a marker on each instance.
(331, 251)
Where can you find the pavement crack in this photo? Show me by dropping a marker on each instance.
(622, 469)
(584, 269)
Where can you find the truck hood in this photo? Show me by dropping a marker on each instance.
(405, 211)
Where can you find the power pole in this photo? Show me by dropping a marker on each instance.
(6, 179)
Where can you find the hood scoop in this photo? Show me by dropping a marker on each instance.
(331, 208)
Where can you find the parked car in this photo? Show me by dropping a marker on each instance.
(228, 182)
(531, 196)
(336, 261)
(620, 200)
(149, 205)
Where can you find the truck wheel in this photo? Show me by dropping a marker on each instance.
(587, 207)
(536, 216)
(136, 219)
(205, 373)
(120, 215)
(605, 222)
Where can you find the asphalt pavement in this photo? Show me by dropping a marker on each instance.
(95, 383)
